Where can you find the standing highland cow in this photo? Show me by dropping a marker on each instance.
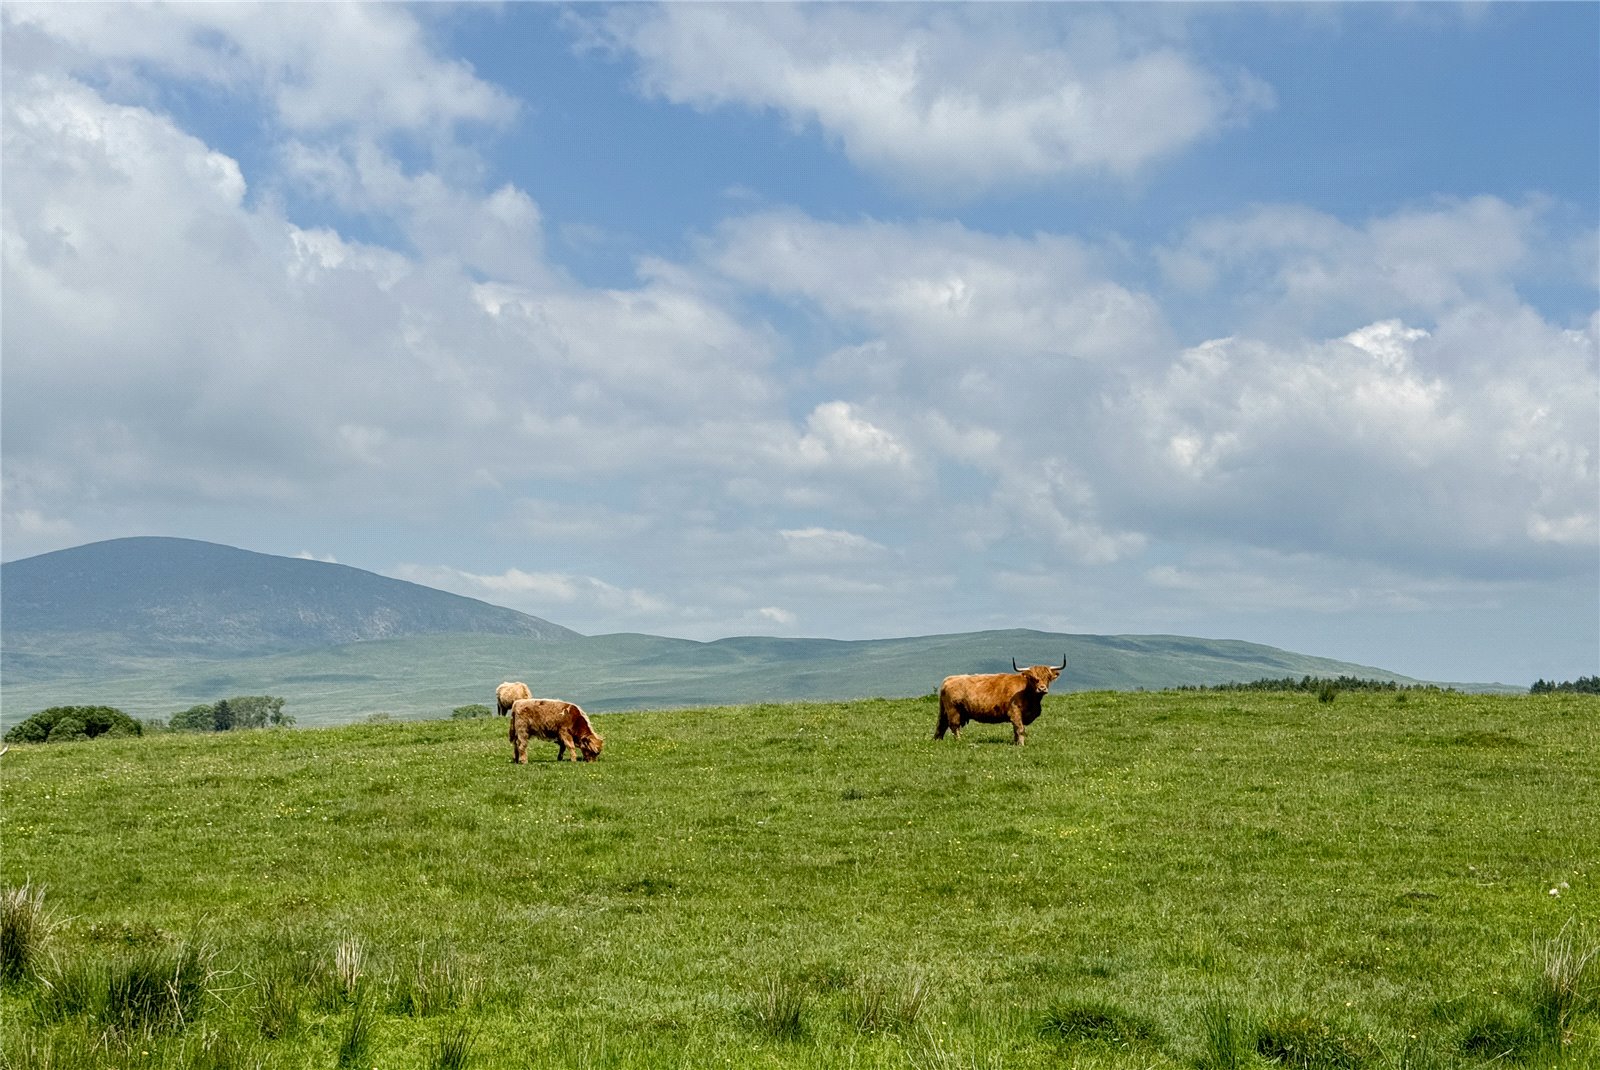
(553, 719)
(995, 698)
(507, 693)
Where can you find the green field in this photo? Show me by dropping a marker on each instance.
(1391, 880)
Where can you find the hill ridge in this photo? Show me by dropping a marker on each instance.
(145, 596)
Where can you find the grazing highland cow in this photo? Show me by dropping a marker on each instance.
(506, 694)
(995, 697)
(551, 718)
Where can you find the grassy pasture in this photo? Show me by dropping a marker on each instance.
(1157, 880)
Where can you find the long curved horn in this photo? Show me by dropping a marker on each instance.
(1014, 665)
(1063, 661)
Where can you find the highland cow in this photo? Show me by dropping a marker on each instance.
(993, 698)
(553, 719)
(507, 693)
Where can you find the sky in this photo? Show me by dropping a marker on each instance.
(1263, 322)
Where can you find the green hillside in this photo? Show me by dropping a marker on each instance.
(1157, 881)
(428, 676)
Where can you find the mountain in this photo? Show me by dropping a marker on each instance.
(114, 603)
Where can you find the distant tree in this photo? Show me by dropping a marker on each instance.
(240, 711)
(61, 723)
(200, 718)
(258, 711)
(476, 709)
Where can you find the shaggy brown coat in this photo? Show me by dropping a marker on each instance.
(507, 693)
(992, 698)
(553, 719)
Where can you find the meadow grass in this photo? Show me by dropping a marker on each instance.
(1156, 880)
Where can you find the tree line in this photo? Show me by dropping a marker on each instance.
(1314, 684)
(1583, 685)
(61, 724)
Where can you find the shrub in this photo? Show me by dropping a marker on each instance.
(476, 709)
(62, 723)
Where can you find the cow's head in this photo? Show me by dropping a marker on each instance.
(1040, 677)
(590, 744)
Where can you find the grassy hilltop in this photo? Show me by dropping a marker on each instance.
(1157, 880)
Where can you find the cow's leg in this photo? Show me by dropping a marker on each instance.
(519, 741)
(569, 747)
(938, 729)
(1019, 730)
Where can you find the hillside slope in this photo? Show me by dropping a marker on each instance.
(128, 599)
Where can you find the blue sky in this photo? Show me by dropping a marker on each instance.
(1273, 322)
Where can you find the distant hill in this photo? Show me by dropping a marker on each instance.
(155, 625)
(114, 604)
(430, 676)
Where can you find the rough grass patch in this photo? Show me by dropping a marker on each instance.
(1097, 1022)
(158, 989)
(1311, 1044)
(1497, 1033)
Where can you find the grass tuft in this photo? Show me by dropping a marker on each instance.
(1225, 1047)
(25, 925)
(360, 1031)
(881, 1006)
(452, 1049)
(780, 1012)
(349, 967)
(433, 986)
(278, 1004)
(1564, 988)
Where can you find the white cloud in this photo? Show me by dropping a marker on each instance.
(1469, 447)
(943, 99)
(829, 544)
(1294, 265)
(540, 593)
(942, 292)
(321, 66)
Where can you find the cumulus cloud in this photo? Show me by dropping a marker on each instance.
(943, 99)
(1467, 448)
